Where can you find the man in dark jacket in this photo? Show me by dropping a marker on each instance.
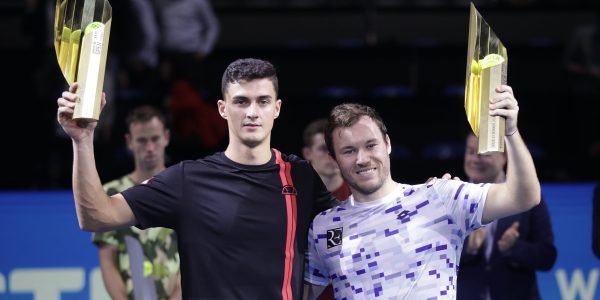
(499, 260)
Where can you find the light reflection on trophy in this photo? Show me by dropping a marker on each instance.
(487, 63)
(81, 34)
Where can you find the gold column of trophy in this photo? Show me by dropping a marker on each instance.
(81, 33)
(487, 63)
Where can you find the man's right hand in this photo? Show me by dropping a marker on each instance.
(76, 129)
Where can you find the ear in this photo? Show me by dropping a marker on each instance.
(167, 137)
(388, 144)
(222, 109)
(128, 141)
(306, 153)
(277, 108)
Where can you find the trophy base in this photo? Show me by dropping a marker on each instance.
(90, 75)
(491, 128)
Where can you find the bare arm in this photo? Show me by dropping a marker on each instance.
(96, 211)
(110, 274)
(312, 291)
(177, 295)
(521, 190)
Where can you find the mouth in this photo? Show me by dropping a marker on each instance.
(150, 158)
(366, 171)
(251, 125)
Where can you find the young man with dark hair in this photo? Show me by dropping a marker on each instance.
(394, 240)
(241, 215)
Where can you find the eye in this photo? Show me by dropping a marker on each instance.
(239, 101)
(347, 151)
(371, 146)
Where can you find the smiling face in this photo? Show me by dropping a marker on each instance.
(362, 153)
(487, 168)
(250, 108)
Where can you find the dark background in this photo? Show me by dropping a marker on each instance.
(404, 58)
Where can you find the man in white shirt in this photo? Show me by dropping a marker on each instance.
(396, 241)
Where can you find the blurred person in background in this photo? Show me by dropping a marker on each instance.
(499, 260)
(147, 139)
(315, 151)
(189, 31)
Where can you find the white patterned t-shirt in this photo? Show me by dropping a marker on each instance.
(403, 246)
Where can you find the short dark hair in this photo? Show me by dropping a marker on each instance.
(346, 115)
(144, 113)
(314, 127)
(249, 69)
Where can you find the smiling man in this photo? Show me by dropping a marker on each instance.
(241, 215)
(397, 241)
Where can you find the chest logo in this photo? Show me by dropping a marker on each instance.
(334, 237)
(289, 190)
(402, 215)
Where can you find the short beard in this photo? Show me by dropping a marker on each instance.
(252, 144)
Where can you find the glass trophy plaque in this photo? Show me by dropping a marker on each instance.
(487, 63)
(81, 33)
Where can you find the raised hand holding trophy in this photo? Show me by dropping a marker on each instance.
(81, 34)
(487, 63)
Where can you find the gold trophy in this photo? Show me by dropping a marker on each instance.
(487, 63)
(81, 33)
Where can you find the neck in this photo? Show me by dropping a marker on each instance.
(332, 183)
(139, 175)
(246, 155)
(387, 188)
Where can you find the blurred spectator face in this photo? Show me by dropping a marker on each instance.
(319, 157)
(483, 168)
(147, 141)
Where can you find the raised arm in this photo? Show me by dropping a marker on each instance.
(96, 211)
(521, 190)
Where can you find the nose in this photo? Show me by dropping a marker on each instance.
(252, 110)
(362, 158)
(150, 146)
